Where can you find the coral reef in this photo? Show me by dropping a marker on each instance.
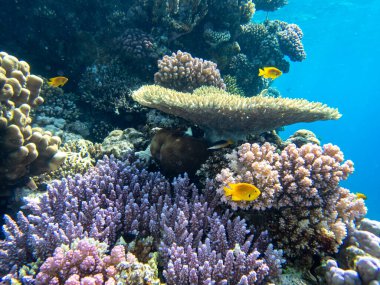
(107, 88)
(359, 260)
(81, 155)
(220, 111)
(269, 5)
(120, 143)
(82, 262)
(172, 19)
(182, 72)
(300, 191)
(301, 137)
(134, 44)
(116, 198)
(264, 44)
(23, 151)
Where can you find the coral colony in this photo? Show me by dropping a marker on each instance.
(144, 174)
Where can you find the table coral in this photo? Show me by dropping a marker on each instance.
(232, 115)
(309, 212)
(24, 150)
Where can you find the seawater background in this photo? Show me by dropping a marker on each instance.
(342, 42)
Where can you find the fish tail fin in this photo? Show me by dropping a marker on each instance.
(261, 72)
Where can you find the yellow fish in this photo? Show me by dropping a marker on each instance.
(270, 72)
(361, 196)
(242, 192)
(57, 81)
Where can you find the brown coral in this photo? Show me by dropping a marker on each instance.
(23, 150)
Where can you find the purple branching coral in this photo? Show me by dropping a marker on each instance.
(83, 262)
(307, 210)
(115, 198)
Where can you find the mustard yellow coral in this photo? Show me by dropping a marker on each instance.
(218, 110)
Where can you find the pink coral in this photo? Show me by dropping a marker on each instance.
(84, 262)
(299, 190)
(182, 72)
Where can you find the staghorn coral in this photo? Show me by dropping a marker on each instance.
(24, 150)
(218, 110)
(299, 191)
(182, 72)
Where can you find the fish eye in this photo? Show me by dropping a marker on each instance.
(249, 196)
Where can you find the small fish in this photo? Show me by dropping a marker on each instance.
(57, 81)
(270, 72)
(242, 192)
(221, 144)
(361, 196)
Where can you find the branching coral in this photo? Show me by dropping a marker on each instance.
(116, 198)
(23, 151)
(182, 72)
(300, 188)
(218, 110)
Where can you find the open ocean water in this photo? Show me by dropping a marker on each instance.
(342, 40)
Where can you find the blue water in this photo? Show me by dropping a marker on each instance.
(342, 41)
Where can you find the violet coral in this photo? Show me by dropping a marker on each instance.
(116, 198)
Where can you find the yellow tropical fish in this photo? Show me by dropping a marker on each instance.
(242, 192)
(221, 144)
(361, 196)
(57, 81)
(270, 72)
